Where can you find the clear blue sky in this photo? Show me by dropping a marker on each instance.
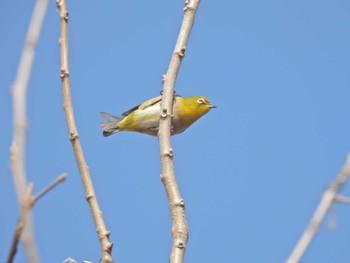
(251, 171)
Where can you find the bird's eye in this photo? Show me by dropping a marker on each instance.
(201, 101)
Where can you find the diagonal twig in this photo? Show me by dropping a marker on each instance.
(342, 199)
(168, 177)
(328, 198)
(102, 233)
(28, 202)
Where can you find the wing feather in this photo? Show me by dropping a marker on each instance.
(144, 105)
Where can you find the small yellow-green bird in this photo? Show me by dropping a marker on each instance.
(145, 117)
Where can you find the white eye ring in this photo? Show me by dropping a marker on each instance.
(201, 101)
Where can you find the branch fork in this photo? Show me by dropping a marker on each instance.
(27, 203)
(330, 195)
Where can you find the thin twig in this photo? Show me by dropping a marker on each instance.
(58, 180)
(102, 233)
(342, 199)
(168, 177)
(27, 204)
(328, 197)
(18, 145)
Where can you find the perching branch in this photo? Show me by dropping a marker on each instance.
(28, 201)
(18, 146)
(329, 196)
(176, 202)
(102, 233)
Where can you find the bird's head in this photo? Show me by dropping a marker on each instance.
(192, 108)
(201, 104)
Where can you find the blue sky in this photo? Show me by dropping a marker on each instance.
(251, 171)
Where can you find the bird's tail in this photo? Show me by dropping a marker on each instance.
(109, 124)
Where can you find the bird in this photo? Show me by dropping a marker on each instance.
(144, 118)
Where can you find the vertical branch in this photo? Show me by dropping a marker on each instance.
(329, 196)
(18, 146)
(102, 233)
(176, 202)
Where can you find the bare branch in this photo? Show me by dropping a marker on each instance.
(102, 233)
(58, 180)
(328, 197)
(168, 177)
(28, 202)
(342, 199)
(18, 146)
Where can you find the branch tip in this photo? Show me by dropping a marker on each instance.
(62, 177)
(58, 180)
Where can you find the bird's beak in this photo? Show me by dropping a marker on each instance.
(212, 106)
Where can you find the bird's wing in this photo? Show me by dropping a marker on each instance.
(150, 102)
(145, 105)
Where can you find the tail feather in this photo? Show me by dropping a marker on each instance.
(110, 124)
